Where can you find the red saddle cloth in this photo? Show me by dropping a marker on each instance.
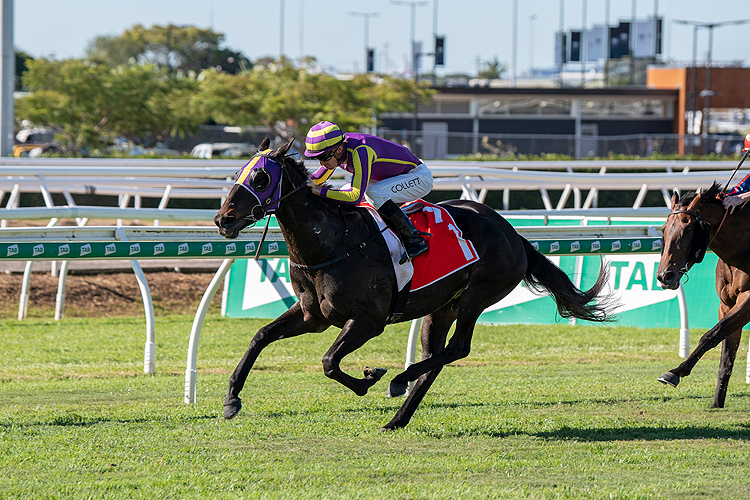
(448, 252)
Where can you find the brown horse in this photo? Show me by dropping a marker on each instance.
(342, 274)
(699, 221)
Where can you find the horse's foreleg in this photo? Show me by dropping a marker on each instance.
(356, 332)
(733, 321)
(290, 324)
(434, 333)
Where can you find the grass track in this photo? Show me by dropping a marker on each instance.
(534, 412)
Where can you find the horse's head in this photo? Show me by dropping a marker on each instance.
(257, 192)
(685, 239)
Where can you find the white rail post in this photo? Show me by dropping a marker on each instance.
(149, 353)
(684, 330)
(60, 298)
(23, 303)
(191, 372)
(411, 346)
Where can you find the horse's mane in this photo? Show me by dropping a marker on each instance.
(299, 167)
(711, 195)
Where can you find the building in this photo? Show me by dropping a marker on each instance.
(578, 122)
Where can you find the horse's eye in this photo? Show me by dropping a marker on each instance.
(688, 229)
(260, 180)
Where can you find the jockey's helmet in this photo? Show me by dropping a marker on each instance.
(322, 137)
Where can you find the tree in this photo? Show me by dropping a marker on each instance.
(288, 99)
(176, 48)
(493, 70)
(89, 104)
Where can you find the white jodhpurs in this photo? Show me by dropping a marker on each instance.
(403, 188)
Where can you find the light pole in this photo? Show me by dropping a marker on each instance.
(414, 55)
(706, 93)
(562, 46)
(281, 29)
(413, 5)
(515, 41)
(531, 18)
(366, 15)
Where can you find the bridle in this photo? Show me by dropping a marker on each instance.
(273, 201)
(701, 240)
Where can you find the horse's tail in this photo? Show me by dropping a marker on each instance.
(542, 275)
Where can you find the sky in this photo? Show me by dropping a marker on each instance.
(475, 31)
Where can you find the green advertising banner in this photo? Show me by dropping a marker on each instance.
(262, 289)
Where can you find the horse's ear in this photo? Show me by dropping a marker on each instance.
(264, 144)
(694, 204)
(675, 199)
(283, 150)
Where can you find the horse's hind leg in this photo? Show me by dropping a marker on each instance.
(356, 332)
(434, 332)
(728, 355)
(290, 324)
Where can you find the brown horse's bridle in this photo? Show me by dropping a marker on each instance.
(695, 256)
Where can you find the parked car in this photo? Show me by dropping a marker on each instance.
(223, 149)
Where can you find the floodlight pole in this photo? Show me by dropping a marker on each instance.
(366, 15)
(706, 93)
(413, 5)
(7, 75)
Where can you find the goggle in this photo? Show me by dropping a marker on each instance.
(328, 154)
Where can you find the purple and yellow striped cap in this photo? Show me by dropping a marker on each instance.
(322, 137)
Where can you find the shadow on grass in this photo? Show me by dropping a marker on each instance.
(643, 433)
(75, 420)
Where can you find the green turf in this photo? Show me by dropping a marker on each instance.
(533, 412)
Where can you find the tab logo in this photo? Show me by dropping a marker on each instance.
(207, 248)
(575, 246)
(38, 250)
(231, 248)
(616, 245)
(636, 245)
(86, 249)
(158, 248)
(535, 245)
(250, 247)
(554, 246)
(12, 250)
(273, 247)
(656, 245)
(110, 249)
(183, 248)
(596, 246)
(135, 248)
(63, 250)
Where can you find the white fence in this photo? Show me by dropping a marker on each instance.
(212, 179)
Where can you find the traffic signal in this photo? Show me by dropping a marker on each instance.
(439, 51)
(370, 60)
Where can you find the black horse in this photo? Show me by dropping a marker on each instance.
(342, 274)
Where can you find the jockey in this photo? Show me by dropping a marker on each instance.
(385, 174)
(740, 193)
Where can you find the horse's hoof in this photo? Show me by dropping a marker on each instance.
(232, 408)
(375, 373)
(669, 378)
(396, 389)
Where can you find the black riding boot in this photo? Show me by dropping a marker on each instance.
(397, 219)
